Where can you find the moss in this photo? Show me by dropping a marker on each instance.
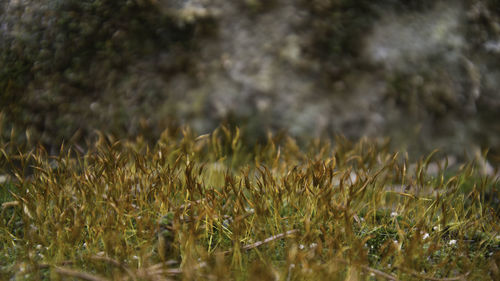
(339, 28)
(132, 67)
(143, 206)
(377, 239)
(68, 55)
(257, 7)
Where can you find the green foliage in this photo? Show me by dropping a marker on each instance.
(200, 208)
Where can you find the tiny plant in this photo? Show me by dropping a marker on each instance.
(209, 208)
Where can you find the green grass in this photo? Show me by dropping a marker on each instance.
(207, 208)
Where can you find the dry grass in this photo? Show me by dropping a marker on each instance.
(206, 208)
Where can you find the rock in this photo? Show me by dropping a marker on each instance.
(421, 72)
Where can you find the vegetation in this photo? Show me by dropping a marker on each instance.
(68, 58)
(128, 67)
(238, 204)
(208, 208)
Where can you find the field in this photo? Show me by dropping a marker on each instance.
(212, 207)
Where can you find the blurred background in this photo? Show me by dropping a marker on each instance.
(425, 73)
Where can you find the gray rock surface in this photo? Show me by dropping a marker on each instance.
(425, 73)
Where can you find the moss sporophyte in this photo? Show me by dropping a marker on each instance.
(207, 208)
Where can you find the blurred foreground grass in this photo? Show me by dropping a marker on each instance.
(207, 208)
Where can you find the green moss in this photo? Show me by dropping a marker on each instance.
(68, 55)
(379, 237)
(5, 192)
(257, 7)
